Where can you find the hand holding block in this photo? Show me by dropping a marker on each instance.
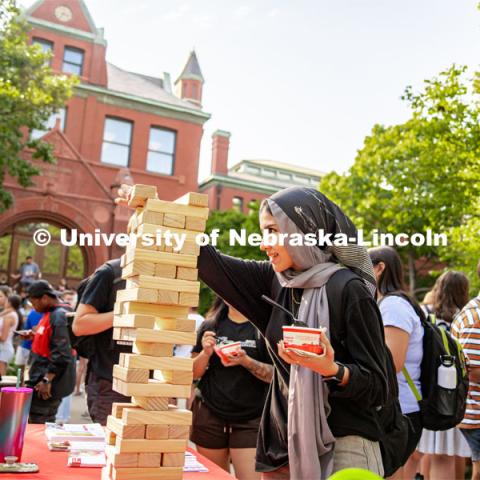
(193, 199)
(139, 195)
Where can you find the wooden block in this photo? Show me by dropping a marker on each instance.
(123, 445)
(110, 437)
(173, 220)
(161, 257)
(153, 460)
(153, 388)
(151, 403)
(161, 231)
(153, 349)
(168, 249)
(185, 273)
(193, 198)
(156, 432)
(134, 321)
(153, 218)
(121, 459)
(173, 459)
(158, 363)
(137, 267)
(165, 336)
(173, 377)
(117, 408)
(164, 271)
(123, 430)
(164, 311)
(176, 324)
(117, 308)
(131, 375)
(195, 223)
(190, 249)
(139, 194)
(173, 416)
(176, 208)
(174, 285)
(190, 299)
(146, 295)
(178, 431)
(167, 298)
(155, 473)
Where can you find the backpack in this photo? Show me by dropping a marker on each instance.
(395, 427)
(440, 408)
(85, 344)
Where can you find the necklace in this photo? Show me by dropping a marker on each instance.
(295, 304)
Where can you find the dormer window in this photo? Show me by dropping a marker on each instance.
(73, 60)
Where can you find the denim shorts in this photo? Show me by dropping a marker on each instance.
(472, 436)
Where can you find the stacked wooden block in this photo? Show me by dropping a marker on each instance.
(147, 438)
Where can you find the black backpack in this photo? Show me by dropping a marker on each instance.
(85, 344)
(396, 428)
(440, 408)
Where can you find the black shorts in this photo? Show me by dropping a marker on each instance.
(210, 431)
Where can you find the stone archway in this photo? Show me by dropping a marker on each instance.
(50, 209)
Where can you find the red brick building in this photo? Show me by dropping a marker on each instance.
(119, 126)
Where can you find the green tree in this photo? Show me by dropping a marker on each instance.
(421, 174)
(29, 93)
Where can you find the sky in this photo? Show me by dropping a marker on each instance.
(296, 81)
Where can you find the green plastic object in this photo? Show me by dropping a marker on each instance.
(354, 474)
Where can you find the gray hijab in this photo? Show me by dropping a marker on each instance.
(310, 440)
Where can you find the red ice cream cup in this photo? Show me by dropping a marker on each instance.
(225, 350)
(303, 338)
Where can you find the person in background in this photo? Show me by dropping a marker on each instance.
(5, 291)
(466, 328)
(404, 338)
(28, 272)
(445, 451)
(63, 285)
(231, 393)
(10, 318)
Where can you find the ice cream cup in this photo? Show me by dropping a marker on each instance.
(227, 349)
(303, 338)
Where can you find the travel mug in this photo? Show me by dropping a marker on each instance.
(14, 410)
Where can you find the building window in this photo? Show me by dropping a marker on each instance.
(267, 172)
(50, 123)
(73, 60)
(237, 204)
(285, 176)
(161, 151)
(45, 45)
(117, 137)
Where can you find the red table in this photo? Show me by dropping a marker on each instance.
(53, 465)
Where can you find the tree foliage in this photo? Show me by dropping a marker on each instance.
(29, 93)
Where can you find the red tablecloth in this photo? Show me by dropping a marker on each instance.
(53, 465)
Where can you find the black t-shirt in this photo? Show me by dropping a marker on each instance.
(358, 341)
(100, 294)
(233, 393)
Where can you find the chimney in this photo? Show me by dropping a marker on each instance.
(220, 145)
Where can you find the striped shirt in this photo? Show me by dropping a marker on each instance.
(466, 328)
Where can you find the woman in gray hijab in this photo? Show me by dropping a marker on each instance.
(319, 415)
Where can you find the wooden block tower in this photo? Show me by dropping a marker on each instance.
(147, 438)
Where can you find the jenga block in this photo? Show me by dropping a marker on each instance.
(178, 431)
(185, 273)
(153, 460)
(138, 446)
(155, 473)
(175, 324)
(153, 218)
(167, 298)
(175, 208)
(173, 459)
(125, 431)
(137, 267)
(144, 243)
(174, 377)
(158, 363)
(195, 223)
(134, 321)
(146, 295)
(165, 271)
(164, 311)
(147, 335)
(153, 349)
(190, 299)
(173, 220)
(117, 308)
(193, 198)
(174, 285)
(151, 403)
(162, 231)
(173, 416)
(153, 388)
(117, 408)
(121, 459)
(122, 334)
(139, 194)
(161, 257)
(156, 432)
(133, 221)
(131, 375)
(110, 437)
(190, 248)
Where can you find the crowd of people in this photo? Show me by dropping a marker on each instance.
(266, 410)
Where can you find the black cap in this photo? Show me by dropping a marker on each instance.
(39, 288)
